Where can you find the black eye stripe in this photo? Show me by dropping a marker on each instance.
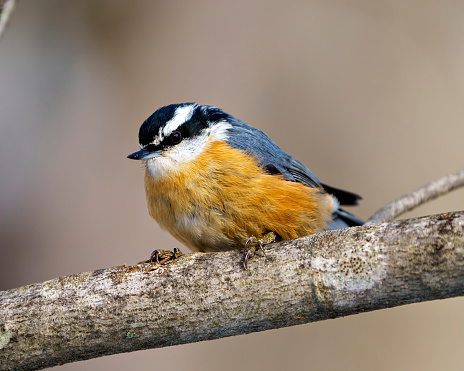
(173, 139)
(152, 147)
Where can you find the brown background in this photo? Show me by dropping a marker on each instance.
(368, 94)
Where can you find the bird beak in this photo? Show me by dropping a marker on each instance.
(144, 154)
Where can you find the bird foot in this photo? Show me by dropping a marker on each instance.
(252, 244)
(161, 257)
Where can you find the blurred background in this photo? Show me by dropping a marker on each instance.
(369, 95)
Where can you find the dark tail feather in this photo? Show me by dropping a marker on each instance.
(343, 219)
(344, 197)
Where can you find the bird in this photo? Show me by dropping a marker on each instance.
(217, 184)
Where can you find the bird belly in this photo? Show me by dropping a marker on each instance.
(220, 199)
(185, 209)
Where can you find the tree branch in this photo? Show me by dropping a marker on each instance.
(419, 196)
(6, 9)
(205, 296)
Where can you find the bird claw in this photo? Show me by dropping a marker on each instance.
(154, 257)
(247, 256)
(249, 250)
(162, 257)
(253, 240)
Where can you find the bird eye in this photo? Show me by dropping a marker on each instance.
(176, 137)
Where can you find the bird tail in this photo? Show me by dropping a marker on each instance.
(343, 219)
(344, 198)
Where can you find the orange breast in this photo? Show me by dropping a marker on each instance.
(220, 199)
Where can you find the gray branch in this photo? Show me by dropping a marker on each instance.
(6, 10)
(205, 296)
(419, 196)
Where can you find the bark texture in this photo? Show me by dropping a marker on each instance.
(205, 296)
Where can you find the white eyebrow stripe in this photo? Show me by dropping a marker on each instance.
(219, 130)
(181, 115)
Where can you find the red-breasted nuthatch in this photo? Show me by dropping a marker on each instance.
(213, 182)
